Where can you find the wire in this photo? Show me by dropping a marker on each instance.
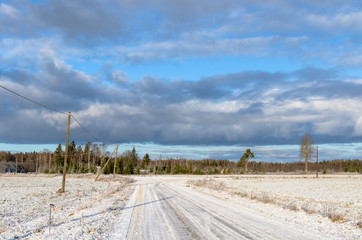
(50, 108)
(84, 128)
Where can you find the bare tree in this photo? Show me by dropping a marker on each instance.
(80, 158)
(87, 150)
(103, 152)
(95, 152)
(306, 149)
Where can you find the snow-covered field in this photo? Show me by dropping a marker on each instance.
(86, 211)
(331, 203)
(329, 207)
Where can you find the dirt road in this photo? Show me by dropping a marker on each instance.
(169, 209)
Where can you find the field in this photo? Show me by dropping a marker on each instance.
(86, 211)
(131, 207)
(330, 203)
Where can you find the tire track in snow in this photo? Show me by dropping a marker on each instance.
(173, 211)
(122, 226)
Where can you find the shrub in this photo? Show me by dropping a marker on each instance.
(336, 217)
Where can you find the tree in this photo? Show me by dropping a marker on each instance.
(59, 158)
(134, 156)
(245, 159)
(103, 152)
(306, 149)
(87, 154)
(145, 161)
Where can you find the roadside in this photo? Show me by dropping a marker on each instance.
(87, 210)
(330, 204)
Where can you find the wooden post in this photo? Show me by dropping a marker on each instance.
(89, 149)
(115, 162)
(66, 155)
(50, 163)
(105, 165)
(317, 163)
(36, 163)
(16, 165)
(50, 215)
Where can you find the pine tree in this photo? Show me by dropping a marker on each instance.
(59, 158)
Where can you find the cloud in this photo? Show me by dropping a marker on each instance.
(137, 32)
(242, 108)
(80, 56)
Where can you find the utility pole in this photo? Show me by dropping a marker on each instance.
(317, 163)
(115, 162)
(50, 162)
(105, 164)
(89, 149)
(66, 155)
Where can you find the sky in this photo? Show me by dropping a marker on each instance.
(183, 79)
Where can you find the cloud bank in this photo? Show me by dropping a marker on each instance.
(263, 73)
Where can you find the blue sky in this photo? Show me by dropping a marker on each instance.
(184, 79)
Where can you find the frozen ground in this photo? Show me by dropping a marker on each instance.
(330, 204)
(87, 210)
(182, 207)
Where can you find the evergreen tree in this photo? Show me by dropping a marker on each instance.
(59, 156)
(146, 161)
(245, 159)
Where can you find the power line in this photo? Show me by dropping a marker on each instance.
(50, 108)
(19, 95)
(84, 128)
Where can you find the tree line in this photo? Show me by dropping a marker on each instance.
(90, 158)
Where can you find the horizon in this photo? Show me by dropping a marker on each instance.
(276, 154)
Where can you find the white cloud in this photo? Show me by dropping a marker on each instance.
(9, 10)
(119, 77)
(338, 22)
(214, 107)
(358, 127)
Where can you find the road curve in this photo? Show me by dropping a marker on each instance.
(171, 210)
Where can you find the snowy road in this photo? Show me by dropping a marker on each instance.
(172, 210)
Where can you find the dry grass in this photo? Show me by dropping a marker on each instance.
(292, 206)
(336, 217)
(266, 198)
(308, 209)
(208, 183)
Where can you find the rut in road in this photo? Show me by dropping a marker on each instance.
(174, 211)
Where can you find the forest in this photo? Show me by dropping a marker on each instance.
(90, 158)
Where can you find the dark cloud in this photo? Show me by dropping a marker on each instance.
(40, 41)
(99, 22)
(201, 112)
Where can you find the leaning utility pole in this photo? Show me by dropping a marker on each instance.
(66, 155)
(105, 164)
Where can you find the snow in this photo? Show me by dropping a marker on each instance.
(182, 207)
(301, 199)
(87, 210)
